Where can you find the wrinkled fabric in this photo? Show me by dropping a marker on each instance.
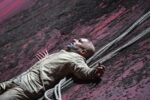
(15, 93)
(48, 71)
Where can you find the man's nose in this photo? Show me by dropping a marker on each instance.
(75, 40)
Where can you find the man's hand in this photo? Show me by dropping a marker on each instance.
(41, 54)
(100, 70)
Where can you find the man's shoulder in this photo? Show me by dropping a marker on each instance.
(71, 55)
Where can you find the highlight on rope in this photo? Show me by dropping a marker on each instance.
(100, 56)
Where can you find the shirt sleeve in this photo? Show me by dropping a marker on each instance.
(81, 70)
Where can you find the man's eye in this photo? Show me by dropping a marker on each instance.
(80, 40)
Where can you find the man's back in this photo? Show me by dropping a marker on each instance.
(47, 72)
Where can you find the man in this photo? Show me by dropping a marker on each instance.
(49, 70)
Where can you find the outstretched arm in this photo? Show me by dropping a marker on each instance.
(83, 72)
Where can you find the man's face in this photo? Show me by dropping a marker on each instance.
(80, 43)
(80, 46)
(77, 43)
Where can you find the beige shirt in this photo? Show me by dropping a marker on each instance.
(48, 71)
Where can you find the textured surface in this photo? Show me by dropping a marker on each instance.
(29, 26)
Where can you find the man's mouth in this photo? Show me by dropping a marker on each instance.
(72, 44)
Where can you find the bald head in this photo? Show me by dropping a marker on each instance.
(83, 46)
(89, 47)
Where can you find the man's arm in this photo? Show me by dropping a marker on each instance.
(83, 72)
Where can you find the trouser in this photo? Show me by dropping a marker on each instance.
(10, 91)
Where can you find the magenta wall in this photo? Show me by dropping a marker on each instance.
(8, 8)
(29, 26)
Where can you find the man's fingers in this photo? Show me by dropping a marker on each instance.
(103, 66)
(100, 68)
(41, 54)
(46, 52)
(100, 65)
(37, 56)
(98, 74)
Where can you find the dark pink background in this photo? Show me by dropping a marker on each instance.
(8, 8)
(29, 26)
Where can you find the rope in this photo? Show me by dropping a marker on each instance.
(133, 40)
(57, 91)
(103, 49)
(63, 84)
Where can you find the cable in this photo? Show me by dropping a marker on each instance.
(133, 40)
(133, 26)
(57, 91)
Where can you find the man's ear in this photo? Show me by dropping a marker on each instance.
(83, 51)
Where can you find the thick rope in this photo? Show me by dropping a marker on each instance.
(106, 47)
(113, 53)
(57, 91)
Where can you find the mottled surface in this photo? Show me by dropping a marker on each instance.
(29, 26)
